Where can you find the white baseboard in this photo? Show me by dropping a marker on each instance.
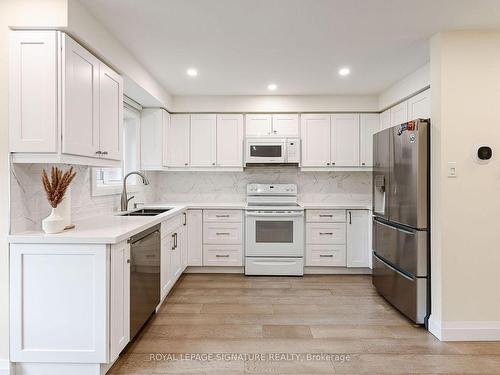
(465, 330)
(214, 269)
(6, 367)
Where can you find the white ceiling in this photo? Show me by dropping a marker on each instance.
(240, 46)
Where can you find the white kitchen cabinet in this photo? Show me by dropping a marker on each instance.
(178, 140)
(33, 91)
(203, 140)
(325, 216)
(222, 233)
(66, 106)
(325, 255)
(175, 257)
(419, 106)
(345, 140)
(358, 247)
(285, 125)
(326, 233)
(110, 113)
(223, 255)
(166, 281)
(81, 100)
(369, 125)
(119, 299)
(230, 140)
(258, 125)
(385, 119)
(195, 237)
(399, 114)
(316, 140)
(154, 138)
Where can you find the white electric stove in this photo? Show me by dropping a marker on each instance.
(274, 230)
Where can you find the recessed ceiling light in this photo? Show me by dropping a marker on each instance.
(344, 72)
(192, 72)
(272, 86)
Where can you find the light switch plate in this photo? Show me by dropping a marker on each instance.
(452, 169)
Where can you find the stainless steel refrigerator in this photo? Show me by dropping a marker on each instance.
(401, 272)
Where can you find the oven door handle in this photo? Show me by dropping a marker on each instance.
(275, 214)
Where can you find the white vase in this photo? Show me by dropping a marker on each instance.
(54, 223)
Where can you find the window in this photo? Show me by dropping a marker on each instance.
(107, 181)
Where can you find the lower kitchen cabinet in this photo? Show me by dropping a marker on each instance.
(223, 255)
(337, 238)
(358, 246)
(69, 304)
(195, 238)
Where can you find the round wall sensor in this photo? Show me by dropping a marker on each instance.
(483, 154)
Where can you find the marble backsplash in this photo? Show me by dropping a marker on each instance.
(333, 187)
(29, 206)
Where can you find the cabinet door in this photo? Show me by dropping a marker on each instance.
(358, 248)
(399, 114)
(369, 125)
(80, 117)
(110, 113)
(385, 119)
(119, 299)
(286, 125)
(230, 140)
(315, 130)
(167, 243)
(175, 258)
(195, 237)
(419, 106)
(165, 126)
(33, 104)
(258, 125)
(203, 140)
(183, 243)
(178, 141)
(345, 140)
(152, 137)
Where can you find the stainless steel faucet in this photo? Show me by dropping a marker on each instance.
(125, 199)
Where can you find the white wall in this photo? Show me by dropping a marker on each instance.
(35, 13)
(465, 240)
(94, 35)
(405, 87)
(275, 103)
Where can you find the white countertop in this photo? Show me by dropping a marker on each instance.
(113, 228)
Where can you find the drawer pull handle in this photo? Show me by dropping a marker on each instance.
(222, 233)
(222, 256)
(221, 215)
(326, 256)
(324, 215)
(325, 233)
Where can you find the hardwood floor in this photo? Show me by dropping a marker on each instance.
(283, 325)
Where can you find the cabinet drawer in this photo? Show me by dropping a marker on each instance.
(223, 255)
(326, 216)
(326, 255)
(222, 233)
(325, 233)
(172, 224)
(223, 216)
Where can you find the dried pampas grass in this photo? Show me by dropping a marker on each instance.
(57, 184)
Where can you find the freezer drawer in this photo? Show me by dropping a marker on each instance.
(408, 295)
(406, 249)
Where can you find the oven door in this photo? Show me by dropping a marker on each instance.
(265, 152)
(275, 233)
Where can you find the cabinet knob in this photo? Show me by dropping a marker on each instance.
(185, 163)
(104, 153)
(98, 152)
(327, 163)
(213, 163)
(362, 163)
(333, 163)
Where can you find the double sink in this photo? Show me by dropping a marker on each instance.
(145, 212)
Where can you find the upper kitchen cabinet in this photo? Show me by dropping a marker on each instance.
(203, 139)
(369, 125)
(316, 140)
(230, 140)
(385, 119)
(178, 141)
(399, 114)
(345, 140)
(264, 125)
(419, 106)
(66, 106)
(154, 138)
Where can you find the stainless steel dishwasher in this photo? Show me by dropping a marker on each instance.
(145, 256)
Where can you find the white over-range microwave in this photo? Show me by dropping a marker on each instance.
(272, 151)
